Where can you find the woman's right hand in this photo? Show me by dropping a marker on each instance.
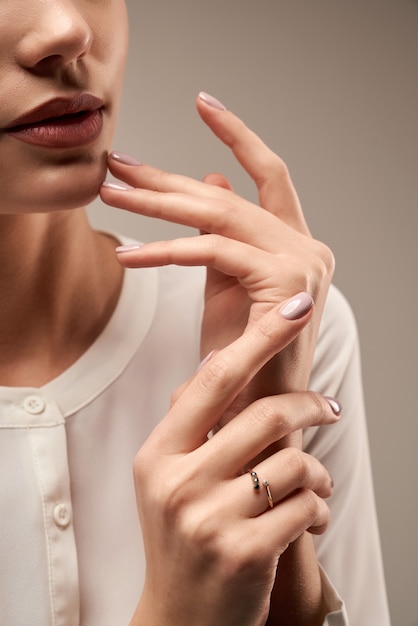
(211, 540)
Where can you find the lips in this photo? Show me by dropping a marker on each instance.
(60, 123)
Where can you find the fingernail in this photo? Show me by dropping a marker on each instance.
(334, 404)
(124, 158)
(130, 248)
(205, 360)
(297, 307)
(211, 101)
(117, 186)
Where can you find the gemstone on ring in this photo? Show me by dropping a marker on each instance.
(256, 481)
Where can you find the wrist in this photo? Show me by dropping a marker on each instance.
(297, 598)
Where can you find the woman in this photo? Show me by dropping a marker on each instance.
(90, 354)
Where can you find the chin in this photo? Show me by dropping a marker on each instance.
(76, 185)
(71, 183)
(35, 180)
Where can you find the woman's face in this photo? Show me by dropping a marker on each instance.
(61, 70)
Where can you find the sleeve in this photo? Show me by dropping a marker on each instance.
(349, 551)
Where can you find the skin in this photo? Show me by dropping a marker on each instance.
(54, 48)
(250, 271)
(205, 534)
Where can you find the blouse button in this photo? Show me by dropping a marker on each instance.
(62, 515)
(34, 405)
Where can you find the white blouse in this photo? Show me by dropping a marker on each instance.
(70, 543)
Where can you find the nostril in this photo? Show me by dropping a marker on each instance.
(57, 41)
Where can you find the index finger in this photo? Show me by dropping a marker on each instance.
(199, 408)
(269, 172)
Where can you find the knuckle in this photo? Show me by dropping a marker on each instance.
(160, 179)
(297, 465)
(246, 556)
(315, 269)
(264, 414)
(274, 168)
(281, 168)
(312, 508)
(142, 464)
(198, 529)
(271, 414)
(215, 245)
(170, 500)
(216, 376)
(222, 217)
(328, 258)
(176, 395)
(319, 515)
(267, 328)
(317, 407)
(325, 260)
(278, 167)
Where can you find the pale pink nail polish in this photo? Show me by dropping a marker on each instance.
(129, 248)
(120, 157)
(297, 307)
(334, 404)
(116, 186)
(211, 101)
(205, 360)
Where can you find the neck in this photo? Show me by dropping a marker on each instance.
(59, 283)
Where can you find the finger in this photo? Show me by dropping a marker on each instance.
(270, 174)
(181, 388)
(220, 380)
(226, 255)
(218, 180)
(285, 472)
(224, 214)
(144, 176)
(268, 420)
(256, 270)
(300, 512)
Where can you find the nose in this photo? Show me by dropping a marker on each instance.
(58, 35)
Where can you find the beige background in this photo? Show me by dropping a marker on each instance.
(332, 86)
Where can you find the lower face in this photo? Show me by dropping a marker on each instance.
(61, 165)
(36, 178)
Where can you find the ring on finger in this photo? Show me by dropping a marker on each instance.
(255, 479)
(256, 487)
(268, 492)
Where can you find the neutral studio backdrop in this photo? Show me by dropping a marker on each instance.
(331, 85)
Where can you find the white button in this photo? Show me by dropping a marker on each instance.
(62, 515)
(34, 405)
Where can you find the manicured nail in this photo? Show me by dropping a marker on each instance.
(117, 186)
(211, 101)
(124, 158)
(129, 248)
(334, 404)
(297, 307)
(205, 360)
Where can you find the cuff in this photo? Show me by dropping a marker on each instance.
(336, 612)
